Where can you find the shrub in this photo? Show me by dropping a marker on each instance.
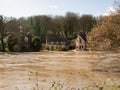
(36, 43)
(62, 48)
(11, 41)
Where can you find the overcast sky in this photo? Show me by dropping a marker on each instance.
(25, 8)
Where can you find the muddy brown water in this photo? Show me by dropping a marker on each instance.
(22, 71)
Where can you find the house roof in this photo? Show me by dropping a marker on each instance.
(83, 36)
(55, 38)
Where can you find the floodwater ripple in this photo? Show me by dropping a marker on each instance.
(73, 68)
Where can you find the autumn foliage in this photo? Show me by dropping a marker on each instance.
(106, 35)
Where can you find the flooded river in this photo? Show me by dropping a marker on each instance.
(37, 71)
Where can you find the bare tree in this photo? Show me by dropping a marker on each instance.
(2, 33)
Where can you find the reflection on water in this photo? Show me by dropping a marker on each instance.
(17, 70)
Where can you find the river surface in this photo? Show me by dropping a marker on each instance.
(28, 70)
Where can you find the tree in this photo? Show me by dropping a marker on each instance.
(106, 36)
(59, 25)
(39, 25)
(86, 23)
(70, 23)
(24, 23)
(2, 32)
(12, 26)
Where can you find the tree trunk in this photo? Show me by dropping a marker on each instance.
(2, 33)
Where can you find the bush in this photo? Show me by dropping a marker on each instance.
(11, 41)
(36, 43)
(71, 47)
(62, 48)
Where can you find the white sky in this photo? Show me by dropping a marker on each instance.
(18, 8)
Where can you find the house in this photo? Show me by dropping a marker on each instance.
(81, 42)
(54, 42)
